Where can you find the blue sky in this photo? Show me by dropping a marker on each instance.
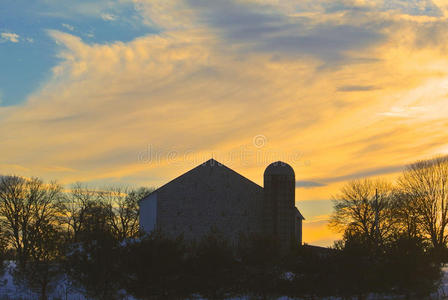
(28, 53)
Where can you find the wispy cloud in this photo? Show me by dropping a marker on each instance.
(356, 88)
(9, 37)
(414, 7)
(68, 26)
(373, 172)
(308, 184)
(405, 112)
(262, 28)
(14, 38)
(364, 173)
(108, 17)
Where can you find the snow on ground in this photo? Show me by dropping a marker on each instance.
(443, 289)
(8, 290)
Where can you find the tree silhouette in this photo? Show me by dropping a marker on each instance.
(424, 188)
(92, 262)
(364, 207)
(155, 266)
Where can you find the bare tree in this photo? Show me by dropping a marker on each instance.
(364, 207)
(25, 206)
(121, 204)
(407, 219)
(91, 262)
(43, 267)
(124, 210)
(76, 203)
(424, 186)
(30, 213)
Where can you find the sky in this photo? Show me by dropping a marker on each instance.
(136, 92)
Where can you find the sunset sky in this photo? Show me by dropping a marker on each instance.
(136, 92)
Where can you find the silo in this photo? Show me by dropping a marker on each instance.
(279, 203)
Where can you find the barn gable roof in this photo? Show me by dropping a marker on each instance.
(205, 170)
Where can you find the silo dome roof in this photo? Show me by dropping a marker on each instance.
(279, 168)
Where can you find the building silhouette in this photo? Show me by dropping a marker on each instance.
(214, 197)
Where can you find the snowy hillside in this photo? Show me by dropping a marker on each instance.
(8, 290)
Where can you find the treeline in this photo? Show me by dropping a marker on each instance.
(395, 233)
(51, 233)
(394, 242)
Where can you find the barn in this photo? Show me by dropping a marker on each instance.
(212, 196)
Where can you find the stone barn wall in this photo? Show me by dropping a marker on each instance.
(210, 196)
